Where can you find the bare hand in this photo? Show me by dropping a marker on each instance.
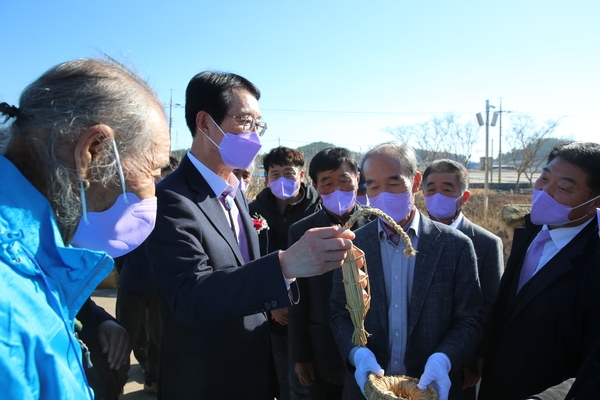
(305, 372)
(280, 316)
(471, 377)
(318, 251)
(114, 340)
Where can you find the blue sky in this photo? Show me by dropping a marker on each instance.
(335, 71)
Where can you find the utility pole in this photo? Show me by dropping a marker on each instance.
(486, 159)
(500, 143)
(171, 104)
(492, 160)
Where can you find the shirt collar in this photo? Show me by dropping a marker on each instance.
(216, 183)
(412, 224)
(562, 236)
(458, 221)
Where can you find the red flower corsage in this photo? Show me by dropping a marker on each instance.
(259, 222)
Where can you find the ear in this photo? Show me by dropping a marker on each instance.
(465, 196)
(302, 175)
(202, 121)
(87, 147)
(417, 182)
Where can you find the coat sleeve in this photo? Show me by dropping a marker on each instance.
(490, 267)
(558, 392)
(466, 327)
(196, 272)
(298, 314)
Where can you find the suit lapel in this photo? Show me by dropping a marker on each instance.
(248, 225)
(425, 266)
(467, 228)
(564, 261)
(210, 205)
(369, 243)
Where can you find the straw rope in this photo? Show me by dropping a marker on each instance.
(357, 303)
(409, 251)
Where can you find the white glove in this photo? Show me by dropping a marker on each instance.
(436, 373)
(365, 363)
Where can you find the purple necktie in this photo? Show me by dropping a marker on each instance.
(228, 203)
(236, 225)
(532, 258)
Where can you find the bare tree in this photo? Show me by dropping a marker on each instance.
(440, 137)
(527, 137)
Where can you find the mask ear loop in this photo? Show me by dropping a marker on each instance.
(121, 175)
(208, 137)
(82, 188)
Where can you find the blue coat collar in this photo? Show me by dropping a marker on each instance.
(28, 227)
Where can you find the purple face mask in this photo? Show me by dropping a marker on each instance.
(440, 206)
(237, 151)
(396, 205)
(244, 186)
(363, 199)
(284, 188)
(546, 210)
(339, 202)
(121, 228)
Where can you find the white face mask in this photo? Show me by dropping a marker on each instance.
(121, 228)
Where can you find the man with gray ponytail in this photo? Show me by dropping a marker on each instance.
(79, 158)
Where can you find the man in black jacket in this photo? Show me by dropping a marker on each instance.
(546, 318)
(318, 362)
(285, 200)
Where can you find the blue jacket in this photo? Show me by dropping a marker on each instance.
(44, 284)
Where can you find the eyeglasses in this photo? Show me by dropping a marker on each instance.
(249, 123)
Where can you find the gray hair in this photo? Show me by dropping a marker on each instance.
(58, 107)
(450, 166)
(404, 153)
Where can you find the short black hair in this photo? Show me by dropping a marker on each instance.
(212, 92)
(329, 159)
(585, 155)
(451, 166)
(283, 156)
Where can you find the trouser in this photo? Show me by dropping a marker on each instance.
(139, 314)
(290, 387)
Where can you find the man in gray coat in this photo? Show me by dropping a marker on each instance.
(446, 191)
(425, 317)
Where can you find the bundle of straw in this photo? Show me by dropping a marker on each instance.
(357, 303)
(397, 387)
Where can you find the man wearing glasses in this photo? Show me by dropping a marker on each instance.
(214, 289)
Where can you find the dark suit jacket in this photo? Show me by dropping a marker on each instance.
(490, 262)
(586, 386)
(540, 337)
(445, 306)
(215, 343)
(309, 328)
